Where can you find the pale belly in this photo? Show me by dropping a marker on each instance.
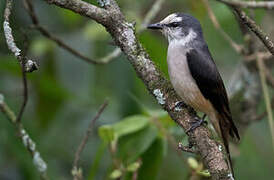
(185, 85)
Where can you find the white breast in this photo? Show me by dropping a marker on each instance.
(182, 80)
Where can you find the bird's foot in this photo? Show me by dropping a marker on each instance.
(199, 122)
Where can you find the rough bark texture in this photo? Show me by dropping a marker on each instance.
(123, 34)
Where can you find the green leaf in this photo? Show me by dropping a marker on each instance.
(130, 125)
(204, 173)
(193, 163)
(106, 133)
(116, 174)
(133, 166)
(152, 160)
(131, 147)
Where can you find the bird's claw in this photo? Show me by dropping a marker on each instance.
(199, 122)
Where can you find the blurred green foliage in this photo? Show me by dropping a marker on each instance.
(65, 93)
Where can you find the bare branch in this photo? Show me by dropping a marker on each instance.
(28, 65)
(112, 55)
(253, 57)
(238, 48)
(20, 56)
(123, 34)
(83, 8)
(76, 171)
(29, 144)
(255, 28)
(250, 4)
(149, 16)
(245, 80)
(29, 7)
(25, 94)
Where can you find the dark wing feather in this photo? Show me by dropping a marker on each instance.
(210, 83)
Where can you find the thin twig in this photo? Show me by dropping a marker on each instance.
(155, 8)
(28, 65)
(238, 48)
(265, 38)
(253, 57)
(261, 66)
(25, 93)
(186, 149)
(29, 7)
(76, 171)
(110, 56)
(250, 4)
(29, 144)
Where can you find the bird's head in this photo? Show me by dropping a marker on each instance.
(179, 27)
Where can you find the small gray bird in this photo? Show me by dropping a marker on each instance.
(194, 74)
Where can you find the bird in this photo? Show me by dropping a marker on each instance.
(194, 74)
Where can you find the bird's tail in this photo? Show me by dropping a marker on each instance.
(226, 128)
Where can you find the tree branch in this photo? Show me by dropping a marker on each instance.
(245, 82)
(76, 171)
(83, 8)
(28, 65)
(155, 8)
(29, 144)
(123, 34)
(29, 7)
(250, 4)
(238, 48)
(25, 93)
(254, 27)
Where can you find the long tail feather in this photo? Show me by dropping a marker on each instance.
(227, 128)
(226, 144)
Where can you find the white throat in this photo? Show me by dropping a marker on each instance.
(182, 41)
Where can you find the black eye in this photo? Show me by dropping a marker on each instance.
(174, 24)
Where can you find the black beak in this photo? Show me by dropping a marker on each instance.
(155, 26)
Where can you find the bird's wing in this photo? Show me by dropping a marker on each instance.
(210, 83)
